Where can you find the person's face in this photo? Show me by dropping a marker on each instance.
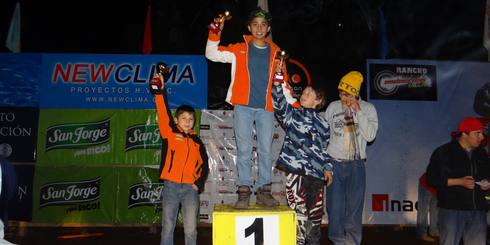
(474, 138)
(259, 27)
(308, 98)
(346, 98)
(185, 121)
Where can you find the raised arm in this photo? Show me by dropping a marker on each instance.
(282, 108)
(165, 124)
(217, 53)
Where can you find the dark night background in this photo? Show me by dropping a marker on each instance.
(329, 37)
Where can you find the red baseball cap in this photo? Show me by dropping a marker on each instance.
(469, 124)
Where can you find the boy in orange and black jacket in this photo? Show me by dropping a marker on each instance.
(184, 166)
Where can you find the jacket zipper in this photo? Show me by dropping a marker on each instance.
(172, 153)
(186, 158)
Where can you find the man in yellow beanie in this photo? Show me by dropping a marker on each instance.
(353, 122)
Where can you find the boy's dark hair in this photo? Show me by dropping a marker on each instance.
(185, 108)
(320, 95)
(259, 12)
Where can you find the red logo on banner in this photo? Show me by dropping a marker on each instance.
(378, 201)
(383, 203)
(299, 77)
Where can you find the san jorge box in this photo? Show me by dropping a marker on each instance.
(76, 136)
(253, 226)
(138, 196)
(73, 195)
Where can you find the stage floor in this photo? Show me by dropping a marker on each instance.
(373, 235)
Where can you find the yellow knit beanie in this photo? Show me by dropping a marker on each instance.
(351, 83)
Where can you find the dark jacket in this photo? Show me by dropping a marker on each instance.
(451, 161)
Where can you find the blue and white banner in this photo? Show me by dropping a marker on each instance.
(412, 125)
(120, 81)
(99, 80)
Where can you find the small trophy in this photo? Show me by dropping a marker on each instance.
(214, 26)
(162, 69)
(156, 84)
(282, 56)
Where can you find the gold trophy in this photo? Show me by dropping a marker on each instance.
(156, 83)
(162, 69)
(214, 26)
(281, 56)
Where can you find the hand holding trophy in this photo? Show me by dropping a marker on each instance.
(157, 82)
(279, 75)
(217, 25)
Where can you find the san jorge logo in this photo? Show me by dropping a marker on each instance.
(142, 136)
(77, 135)
(145, 194)
(62, 193)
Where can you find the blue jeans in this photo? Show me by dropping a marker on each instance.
(243, 120)
(471, 225)
(345, 202)
(175, 194)
(427, 207)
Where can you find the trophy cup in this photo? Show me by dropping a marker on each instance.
(214, 26)
(162, 68)
(282, 56)
(156, 84)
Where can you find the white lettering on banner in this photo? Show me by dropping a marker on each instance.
(58, 136)
(142, 136)
(69, 193)
(9, 117)
(21, 192)
(15, 131)
(80, 134)
(100, 90)
(93, 151)
(93, 134)
(149, 194)
(116, 99)
(411, 70)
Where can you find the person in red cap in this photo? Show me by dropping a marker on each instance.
(460, 170)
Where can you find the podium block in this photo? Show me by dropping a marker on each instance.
(254, 226)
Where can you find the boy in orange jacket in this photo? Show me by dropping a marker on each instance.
(253, 65)
(184, 165)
